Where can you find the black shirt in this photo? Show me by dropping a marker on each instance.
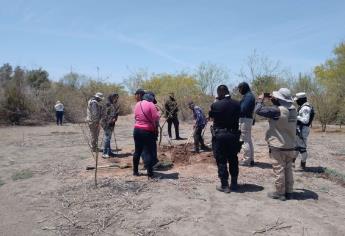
(225, 114)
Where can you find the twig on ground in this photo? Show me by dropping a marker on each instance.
(276, 226)
(169, 222)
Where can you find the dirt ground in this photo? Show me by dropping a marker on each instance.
(45, 189)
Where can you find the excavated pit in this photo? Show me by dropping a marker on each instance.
(182, 155)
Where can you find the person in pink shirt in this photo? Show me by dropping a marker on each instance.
(145, 132)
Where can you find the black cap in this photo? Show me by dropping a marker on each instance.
(141, 92)
(153, 95)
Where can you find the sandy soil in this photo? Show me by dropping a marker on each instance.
(45, 189)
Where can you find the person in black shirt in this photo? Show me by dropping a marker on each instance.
(225, 113)
(247, 105)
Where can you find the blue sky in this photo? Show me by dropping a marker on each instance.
(166, 35)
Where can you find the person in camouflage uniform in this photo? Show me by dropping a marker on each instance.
(94, 115)
(109, 117)
(171, 110)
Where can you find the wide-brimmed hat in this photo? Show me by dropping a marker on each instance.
(283, 94)
(99, 95)
(300, 95)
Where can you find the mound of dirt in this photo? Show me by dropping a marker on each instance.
(182, 155)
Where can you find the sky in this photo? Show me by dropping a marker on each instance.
(166, 36)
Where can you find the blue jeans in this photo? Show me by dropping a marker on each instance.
(59, 116)
(145, 146)
(107, 139)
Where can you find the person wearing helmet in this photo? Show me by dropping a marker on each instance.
(304, 120)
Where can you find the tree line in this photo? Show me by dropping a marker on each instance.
(29, 95)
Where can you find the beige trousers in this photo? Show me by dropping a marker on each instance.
(282, 169)
(94, 133)
(246, 136)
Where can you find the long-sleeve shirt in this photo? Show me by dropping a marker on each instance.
(59, 107)
(225, 114)
(200, 119)
(271, 112)
(171, 108)
(304, 114)
(109, 115)
(247, 104)
(94, 111)
(146, 116)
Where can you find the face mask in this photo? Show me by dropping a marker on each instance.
(275, 102)
(300, 102)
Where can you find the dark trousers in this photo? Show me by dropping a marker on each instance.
(145, 146)
(59, 116)
(174, 121)
(225, 148)
(198, 140)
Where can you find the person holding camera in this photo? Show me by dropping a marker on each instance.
(281, 137)
(225, 113)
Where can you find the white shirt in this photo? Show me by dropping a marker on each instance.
(304, 113)
(59, 107)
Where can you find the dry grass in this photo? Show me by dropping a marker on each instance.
(23, 174)
(90, 210)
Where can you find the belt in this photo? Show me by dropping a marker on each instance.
(227, 130)
(281, 149)
(248, 117)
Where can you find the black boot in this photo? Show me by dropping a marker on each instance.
(234, 185)
(150, 174)
(136, 161)
(177, 134)
(303, 163)
(224, 187)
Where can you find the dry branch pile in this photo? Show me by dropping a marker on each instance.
(90, 210)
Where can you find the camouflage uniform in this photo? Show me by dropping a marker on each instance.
(109, 117)
(94, 114)
(171, 111)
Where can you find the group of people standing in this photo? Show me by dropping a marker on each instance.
(231, 131)
(286, 136)
(102, 116)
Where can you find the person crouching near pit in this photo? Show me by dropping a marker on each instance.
(281, 137)
(145, 133)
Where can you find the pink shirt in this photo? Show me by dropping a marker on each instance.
(149, 121)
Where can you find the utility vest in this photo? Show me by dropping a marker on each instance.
(282, 132)
(93, 116)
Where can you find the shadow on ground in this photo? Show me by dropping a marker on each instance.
(263, 165)
(315, 169)
(160, 175)
(249, 188)
(304, 194)
(123, 155)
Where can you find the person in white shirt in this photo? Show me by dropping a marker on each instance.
(59, 110)
(304, 120)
